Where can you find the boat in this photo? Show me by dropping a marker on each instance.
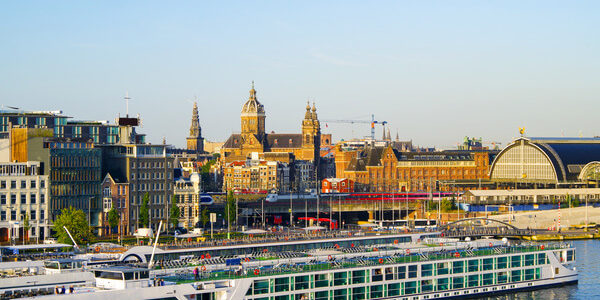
(367, 267)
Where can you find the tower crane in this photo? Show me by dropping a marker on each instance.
(372, 122)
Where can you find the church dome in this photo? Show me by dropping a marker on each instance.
(252, 106)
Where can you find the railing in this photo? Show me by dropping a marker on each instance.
(373, 261)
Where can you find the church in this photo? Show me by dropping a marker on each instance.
(253, 138)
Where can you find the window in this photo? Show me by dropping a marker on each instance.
(41, 215)
(42, 198)
(3, 184)
(2, 215)
(32, 198)
(426, 270)
(2, 198)
(515, 261)
(32, 184)
(13, 215)
(487, 264)
(13, 199)
(13, 184)
(23, 198)
(23, 184)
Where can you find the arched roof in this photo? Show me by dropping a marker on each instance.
(568, 156)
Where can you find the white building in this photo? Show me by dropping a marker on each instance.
(23, 195)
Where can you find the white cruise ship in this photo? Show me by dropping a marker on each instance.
(375, 267)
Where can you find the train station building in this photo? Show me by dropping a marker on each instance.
(530, 162)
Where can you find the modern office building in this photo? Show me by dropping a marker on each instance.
(99, 132)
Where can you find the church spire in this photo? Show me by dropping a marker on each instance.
(195, 130)
(314, 112)
(308, 114)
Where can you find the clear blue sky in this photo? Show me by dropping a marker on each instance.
(436, 70)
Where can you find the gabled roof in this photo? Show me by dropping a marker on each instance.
(234, 141)
(284, 140)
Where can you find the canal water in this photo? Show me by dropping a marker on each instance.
(588, 288)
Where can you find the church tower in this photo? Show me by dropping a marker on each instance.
(253, 122)
(195, 142)
(311, 134)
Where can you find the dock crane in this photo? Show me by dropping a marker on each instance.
(372, 122)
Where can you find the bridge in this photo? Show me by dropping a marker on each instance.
(479, 227)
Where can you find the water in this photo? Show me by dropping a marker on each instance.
(588, 288)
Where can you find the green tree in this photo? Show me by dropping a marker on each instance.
(175, 212)
(144, 218)
(113, 218)
(448, 205)
(204, 217)
(26, 226)
(76, 222)
(230, 212)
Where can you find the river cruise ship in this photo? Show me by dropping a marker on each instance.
(430, 268)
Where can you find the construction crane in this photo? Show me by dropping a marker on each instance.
(372, 122)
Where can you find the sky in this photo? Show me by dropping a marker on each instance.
(436, 71)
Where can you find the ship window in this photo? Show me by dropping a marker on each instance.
(530, 274)
(412, 271)
(501, 262)
(282, 284)
(426, 270)
(376, 291)
(341, 294)
(473, 265)
(401, 272)
(389, 273)
(410, 287)
(426, 285)
(515, 261)
(487, 279)
(442, 284)
(502, 277)
(515, 276)
(358, 276)
(458, 267)
(541, 259)
(487, 264)
(340, 278)
(261, 287)
(321, 280)
(473, 280)
(570, 256)
(302, 282)
(458, 282)
(393, 289)
(529, 260)
(323, 295)
(376, 275)
(358, 293)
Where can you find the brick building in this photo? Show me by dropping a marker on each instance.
(337, 185)
(387, 169)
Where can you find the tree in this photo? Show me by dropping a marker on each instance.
(204, 217)
(113, 218)
(175, 212)
(26, 227)
(144, 218)
(76, 222)
(230, 212)
(448, 205)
